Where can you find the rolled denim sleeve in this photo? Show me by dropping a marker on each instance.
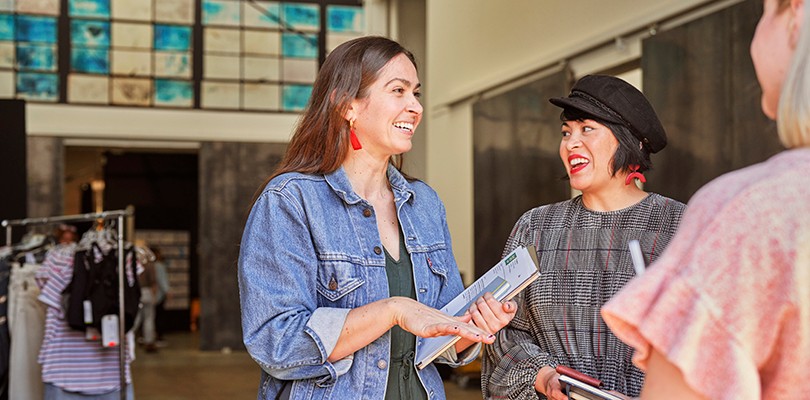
(283, 329)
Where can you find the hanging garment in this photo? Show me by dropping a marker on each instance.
(70, 362)
(26, 319)
(95, 282)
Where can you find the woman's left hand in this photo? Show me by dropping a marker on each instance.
(491, 315)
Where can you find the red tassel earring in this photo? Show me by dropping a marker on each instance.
(353, 138)
(634, 175)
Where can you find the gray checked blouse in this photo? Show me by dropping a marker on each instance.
(584, 260)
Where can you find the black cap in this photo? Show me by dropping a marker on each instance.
(613, 100)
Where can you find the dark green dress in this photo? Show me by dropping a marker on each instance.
(403, 383)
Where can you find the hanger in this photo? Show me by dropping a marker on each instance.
(144, 254)
(30, 241)
(89, 237)
(108, 235)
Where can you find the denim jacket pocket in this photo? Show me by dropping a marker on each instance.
(434, 278)
(437, 265)
(337, 279)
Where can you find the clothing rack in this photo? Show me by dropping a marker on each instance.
(105, 215)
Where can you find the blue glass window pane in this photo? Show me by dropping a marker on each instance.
(265, 15)
(94, 61)
(36, 57)
(344, 19)
(172, 64)
(38, 86)
(172, 37)
(36, 29)
(221, 12)
(296, 97)
(302, 16)
(297, 45)
(90, 33)
(173, 93)
(89, 8)
(6, 27)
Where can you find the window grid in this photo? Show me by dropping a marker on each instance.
(163, 53)
(28, 50)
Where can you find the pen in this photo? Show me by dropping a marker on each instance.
(637, 256)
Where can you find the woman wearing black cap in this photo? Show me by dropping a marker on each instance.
(608, 131)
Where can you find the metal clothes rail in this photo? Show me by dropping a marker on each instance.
(105, 215)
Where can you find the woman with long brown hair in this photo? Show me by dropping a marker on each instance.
(344, 259)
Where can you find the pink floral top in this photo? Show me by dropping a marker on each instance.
(728, 302)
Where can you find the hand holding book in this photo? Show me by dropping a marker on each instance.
(490, 314)
(511, 275)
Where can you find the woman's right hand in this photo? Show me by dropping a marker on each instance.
(425, 321)
(548, 383)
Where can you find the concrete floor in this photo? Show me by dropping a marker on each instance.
(179, 371)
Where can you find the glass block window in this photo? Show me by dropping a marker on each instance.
(131, 52)
(255, 55)
(28, 49)
(343, 23)
(278, 50)
(253, 50)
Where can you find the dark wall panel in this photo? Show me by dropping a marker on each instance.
(516, 140)
(700, 79)
(13, 157)
(230, 174)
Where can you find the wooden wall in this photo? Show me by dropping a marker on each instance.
(230, 174)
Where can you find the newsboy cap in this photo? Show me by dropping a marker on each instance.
(613, 100)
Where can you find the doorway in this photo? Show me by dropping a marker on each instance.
(162, 188)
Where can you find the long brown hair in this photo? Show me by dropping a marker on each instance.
(320, 142)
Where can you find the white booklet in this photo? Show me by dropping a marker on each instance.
(506, 279)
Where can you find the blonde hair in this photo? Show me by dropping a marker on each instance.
(793, 116)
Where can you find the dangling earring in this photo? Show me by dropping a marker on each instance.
(634, 175)
(353, 138)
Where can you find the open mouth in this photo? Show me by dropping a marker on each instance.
(405, 126)
(577, 163)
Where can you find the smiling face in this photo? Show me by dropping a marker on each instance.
(771, 52)
(586, 149)
(387, 117)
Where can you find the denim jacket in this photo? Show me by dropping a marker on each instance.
(310, 253)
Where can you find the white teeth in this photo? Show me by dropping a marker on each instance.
(578, 161)
(404, 125)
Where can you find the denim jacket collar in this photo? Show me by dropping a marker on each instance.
(339, 182)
